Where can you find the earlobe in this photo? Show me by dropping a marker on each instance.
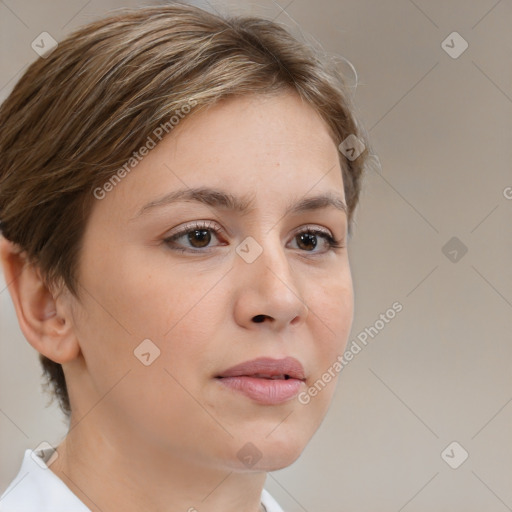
(45, 320)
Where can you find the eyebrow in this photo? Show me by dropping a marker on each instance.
(222, 200)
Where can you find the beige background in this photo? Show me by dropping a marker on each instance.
(441, 370)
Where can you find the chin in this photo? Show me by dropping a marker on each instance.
(277, 461)
(270, 454)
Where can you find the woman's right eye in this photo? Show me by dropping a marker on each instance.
(197, 236)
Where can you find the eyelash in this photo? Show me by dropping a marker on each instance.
(332, 242)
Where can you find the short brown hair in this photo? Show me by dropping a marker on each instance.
(77, 115)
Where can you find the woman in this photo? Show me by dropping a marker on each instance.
(176, 196)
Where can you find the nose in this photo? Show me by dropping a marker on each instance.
(268, 290)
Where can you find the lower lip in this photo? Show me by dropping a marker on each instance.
(264, 391)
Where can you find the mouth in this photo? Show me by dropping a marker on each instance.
(271, 377)
(266, 381)
(267, 368)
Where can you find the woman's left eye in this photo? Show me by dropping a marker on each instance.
(199, 237)
(309, 237)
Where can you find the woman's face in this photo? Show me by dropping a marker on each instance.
(232, 290)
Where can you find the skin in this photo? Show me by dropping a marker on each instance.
(169, 432)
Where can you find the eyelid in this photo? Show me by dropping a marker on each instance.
(313, 227)
(198, 224)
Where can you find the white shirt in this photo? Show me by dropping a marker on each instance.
(38, 489)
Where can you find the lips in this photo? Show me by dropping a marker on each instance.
(267, 368)
(266, 381)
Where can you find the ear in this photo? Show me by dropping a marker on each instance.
(45, 320)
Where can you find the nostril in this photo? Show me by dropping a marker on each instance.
(259, 318)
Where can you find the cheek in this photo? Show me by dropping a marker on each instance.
(332, 307)
(125, 311)
(131, 297)
(146, 299)
(331, 323)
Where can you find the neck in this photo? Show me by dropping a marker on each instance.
(108, 473)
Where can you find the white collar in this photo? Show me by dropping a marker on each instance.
(38, 489)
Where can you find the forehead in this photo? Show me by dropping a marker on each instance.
(253, 146)
(280, 119)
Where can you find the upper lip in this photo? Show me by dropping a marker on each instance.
(267, 367)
